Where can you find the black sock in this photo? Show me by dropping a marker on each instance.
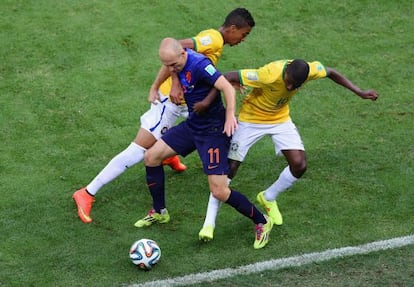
(155, 182)
(245, 207)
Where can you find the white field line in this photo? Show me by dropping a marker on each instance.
(277, 264)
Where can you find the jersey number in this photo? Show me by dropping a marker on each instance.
(214, 154)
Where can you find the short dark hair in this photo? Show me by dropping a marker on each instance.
(298, 71)
(240, 17)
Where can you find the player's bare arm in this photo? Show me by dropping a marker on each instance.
(343, 81)
(187, 43)
(176, 93)
(232, 77)
(163, 74)
(230, 97)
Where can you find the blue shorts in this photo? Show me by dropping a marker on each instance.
(213, 149)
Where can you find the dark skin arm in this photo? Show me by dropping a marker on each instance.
(232, 77)
(201, 107)
(343, 81)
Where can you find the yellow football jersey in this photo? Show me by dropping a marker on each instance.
(268, 101)
(209, 43)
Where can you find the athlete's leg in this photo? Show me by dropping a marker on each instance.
(156, 121)
(84, 197)
(286, 179)
(218, 184)
(145, 138)
(288, 142)
(129, 157)
(234, 167)
(156, 183)
(244, 137)
(220, 190)
(290, 174)
(132, 155)
(166, 115)
(155, 172)
(171, 143)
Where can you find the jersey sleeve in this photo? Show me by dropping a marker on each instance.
(209, 43)
(256, 78)
(316, 71)
(209, 73)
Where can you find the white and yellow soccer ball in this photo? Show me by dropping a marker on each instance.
(145, 253)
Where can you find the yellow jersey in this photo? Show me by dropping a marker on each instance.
(268, 101)
(210, 43)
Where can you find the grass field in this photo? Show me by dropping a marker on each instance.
(74, 78)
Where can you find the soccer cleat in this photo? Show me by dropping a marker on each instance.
(206, 233)
(153, 217)
(84, 203)
(175, 163)
(262, 233)
(271, 208)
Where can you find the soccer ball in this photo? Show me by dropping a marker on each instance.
(145, 253)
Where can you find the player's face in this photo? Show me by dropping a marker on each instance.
(175, 64)
(290, 84)
(237, 35)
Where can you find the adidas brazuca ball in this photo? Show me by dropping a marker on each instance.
(145, 253)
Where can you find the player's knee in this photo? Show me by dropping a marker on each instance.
(151, 159)
(298, 168)
(222, 193)
(147, 158)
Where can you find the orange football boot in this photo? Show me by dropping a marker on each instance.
(84, 203)
(175, 163)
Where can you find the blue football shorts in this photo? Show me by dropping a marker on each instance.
(212, 148)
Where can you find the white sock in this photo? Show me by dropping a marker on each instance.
(130, 156)
(285, 180)
(212, 211)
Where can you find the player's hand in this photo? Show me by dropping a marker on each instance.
(369, 94)
(153, 96)
(230, 125)
(241, 89)
(200, 107)
(176, 93)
